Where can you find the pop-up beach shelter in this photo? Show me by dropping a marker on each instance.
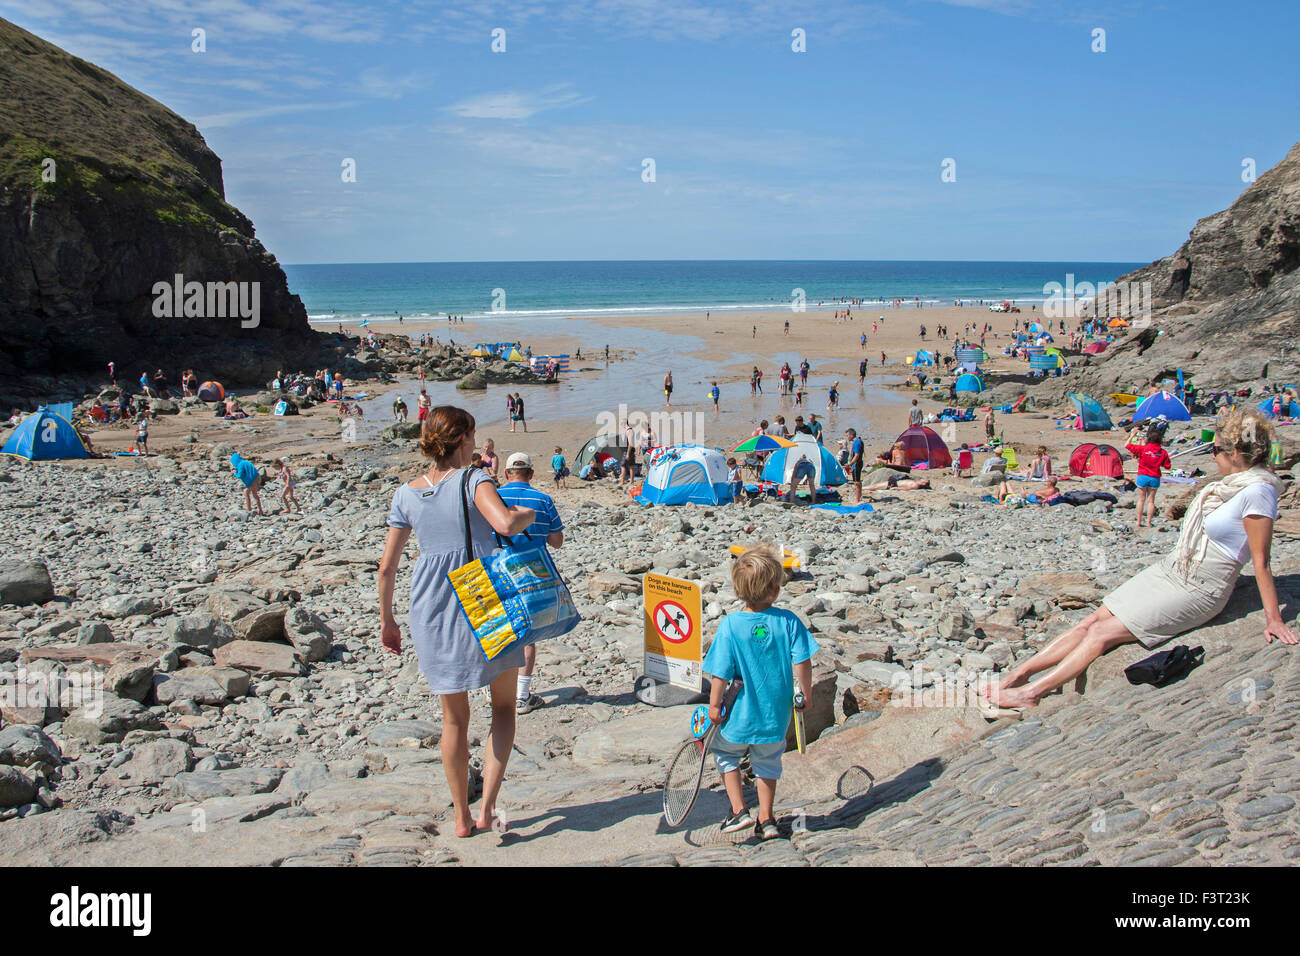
(1288, 411)
(1092, 417)
(923, 358)
(679, 474)
(211, 392)
(970, 383)
(924, 446)
(45, 436)
(1091, 459)
(781, 463)
(1162, 403)
(600, 444)
(1093, 348)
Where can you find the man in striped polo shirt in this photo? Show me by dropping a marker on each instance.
(547, 526)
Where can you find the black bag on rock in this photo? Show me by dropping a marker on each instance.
(1165, 667)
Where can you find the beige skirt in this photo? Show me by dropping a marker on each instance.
(1156, 604)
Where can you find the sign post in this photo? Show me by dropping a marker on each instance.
(673, 631)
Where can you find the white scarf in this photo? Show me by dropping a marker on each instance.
(1192, 539)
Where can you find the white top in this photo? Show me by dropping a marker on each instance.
(1224, 525)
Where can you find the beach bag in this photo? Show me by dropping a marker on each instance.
(515, 596)
(1165, 667)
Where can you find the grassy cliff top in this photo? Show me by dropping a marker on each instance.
(105, 137)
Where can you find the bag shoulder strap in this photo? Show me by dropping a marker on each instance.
(464, 501)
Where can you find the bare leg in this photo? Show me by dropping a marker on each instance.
(1107, 633)
(455, 757)
(1151, 506)
(766, 797)
(1049, 656)
(500, 739)
(735, 794)
(1141, 504)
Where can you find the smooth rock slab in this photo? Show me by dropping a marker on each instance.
(405, 733)
(644, 736)
(260, 657)
(237, 782)
(262, 624)
(129, 605)
(1264, 807)
(197, 630)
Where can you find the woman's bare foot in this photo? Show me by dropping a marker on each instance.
(494, 820)
(465, 827)
(1013, 697)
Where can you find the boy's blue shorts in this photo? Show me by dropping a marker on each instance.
(764, 759)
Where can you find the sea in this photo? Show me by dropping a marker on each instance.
(383, 291)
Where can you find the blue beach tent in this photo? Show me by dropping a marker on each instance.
(1162, 403)
(923, 358)
(1092, 417)
(45, 436)
(1290, 411)
(970, 383)
(680, 474)
(780, 464)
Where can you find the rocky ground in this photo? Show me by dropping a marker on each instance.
(250, 716)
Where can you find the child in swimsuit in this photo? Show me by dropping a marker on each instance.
(287, 497)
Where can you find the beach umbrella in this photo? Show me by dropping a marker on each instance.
(763, 443)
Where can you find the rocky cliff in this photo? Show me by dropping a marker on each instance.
(1226, 305)
(104, 193)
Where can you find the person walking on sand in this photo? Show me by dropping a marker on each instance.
(288, 499)
(423, 404)
(1227, 524)
(715, 394)
(546, 527)
(517, 415)
(882, 358)
(668, 389)
(833, 398)
(914, 415)
(447, 507)
(251, 479)
(862, 372)
(803, 372)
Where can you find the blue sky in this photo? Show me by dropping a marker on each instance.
(1061, 153)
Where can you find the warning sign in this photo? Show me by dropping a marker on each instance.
(673, 616)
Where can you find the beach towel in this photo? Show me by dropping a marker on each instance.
(846, 509)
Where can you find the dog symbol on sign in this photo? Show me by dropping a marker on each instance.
(672, 622)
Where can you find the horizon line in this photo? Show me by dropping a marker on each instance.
(425, 262)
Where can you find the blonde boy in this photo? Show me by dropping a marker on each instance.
(765, 647)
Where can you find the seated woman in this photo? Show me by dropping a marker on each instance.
(1229, 521)
(1040, 469)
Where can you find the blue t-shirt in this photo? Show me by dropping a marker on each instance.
(525, 495)
(244, 470)
(557, 462)
(713, 392)
(761, 649)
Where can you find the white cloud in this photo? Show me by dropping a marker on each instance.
(237, 117)
(516, 105)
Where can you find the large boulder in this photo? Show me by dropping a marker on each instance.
(264, 623)
(197, 630)
(17, 788)
(25, 581)
(474, 381)
(109, 721)
(308, 633)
